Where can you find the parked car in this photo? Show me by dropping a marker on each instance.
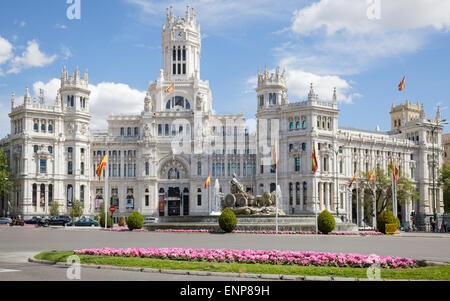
(85, 222)
(5, 221)
(17, 221)
(61, 220)
(33, 221)
(150, 220)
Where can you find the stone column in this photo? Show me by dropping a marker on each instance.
(332, 199)
(46, 199)
(301, 196)
(320, 194)
(327, 196)
(38, 198)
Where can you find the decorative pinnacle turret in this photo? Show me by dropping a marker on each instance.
(335, 96)
(422, 112)
(13, 100)
(438, 113)
(27, 98)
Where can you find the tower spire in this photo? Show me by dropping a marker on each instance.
(335, 96)
(438, 113)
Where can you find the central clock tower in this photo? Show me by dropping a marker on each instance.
(181, 46)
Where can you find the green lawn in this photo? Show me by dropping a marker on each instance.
(423, 273)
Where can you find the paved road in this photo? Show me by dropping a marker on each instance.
(17, 244)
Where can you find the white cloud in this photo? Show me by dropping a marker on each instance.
(66, 52)
(60, 26)
(105, 98)
(353, 16)
(299, 83)
(5, 52)
(341, 38)
(32, 57)
(114, 98)
(216, 13)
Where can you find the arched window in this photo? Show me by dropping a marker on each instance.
(72, 103)
(199, 168)
(129, 132)
(50, 128)
(261, 100)
(50, 193)
(82, 193)
(291, 126)
(188, 105)
(36, 126)
(297, 125)
(297, 193)
(136, 132)
(147, 168)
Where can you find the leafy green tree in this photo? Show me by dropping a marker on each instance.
(444, 182)
(76, 210)
(406, 191)
(5, 182)
(54, 208)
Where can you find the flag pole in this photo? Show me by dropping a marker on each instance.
(276, 193)
(106, 191)
(374, 203)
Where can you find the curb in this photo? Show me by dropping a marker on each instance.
(267, 277)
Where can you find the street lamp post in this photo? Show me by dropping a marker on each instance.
(336, 151)
(434, 127)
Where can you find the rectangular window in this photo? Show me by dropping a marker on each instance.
(297, 164)
(43, 166)
(179, 68)
(174, 70)
(184, 68)
(70, 168)
(122, 132)
(82, 168)
(147, 201)
(159, 129)
(114, 170)
(199, 200)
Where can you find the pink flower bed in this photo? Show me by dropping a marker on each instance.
(270, 232)
(258, 257)
(123, 229)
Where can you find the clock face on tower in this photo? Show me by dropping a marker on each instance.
(179, 35)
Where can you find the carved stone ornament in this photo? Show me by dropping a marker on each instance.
(173, 169)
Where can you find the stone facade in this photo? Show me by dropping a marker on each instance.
(159, 159)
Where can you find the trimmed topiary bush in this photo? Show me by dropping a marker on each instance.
(122, 221)
(385, 218)
(101, 221)
(227, 220)
(135, 221)
(326, 222)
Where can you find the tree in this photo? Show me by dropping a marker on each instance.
(444, 182)
(54, 208)
(406, 191)
(76, 210)
(5, 182)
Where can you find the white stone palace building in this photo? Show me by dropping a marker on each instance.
(159, 159)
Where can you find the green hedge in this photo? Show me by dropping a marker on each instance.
(135, 221)
(227, 220)
(326, 222)
(385, 218)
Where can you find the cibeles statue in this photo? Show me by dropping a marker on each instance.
(244, 203)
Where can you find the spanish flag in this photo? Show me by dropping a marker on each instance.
(208, 181)
(372, 175)
(170, 88)
(314, 158)
(396, 174)
(391, 167)
(401, 86)
(355, 176)
(101, 167)
(274, 159)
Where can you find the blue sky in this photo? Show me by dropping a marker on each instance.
(330, 43)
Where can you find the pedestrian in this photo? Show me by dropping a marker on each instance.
(433, 223)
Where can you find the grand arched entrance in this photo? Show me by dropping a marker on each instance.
(173, 188)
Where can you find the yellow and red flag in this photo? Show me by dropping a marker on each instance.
(401, 86)
(274, 159)
(372, 175)
(101, 167)
(396, 174)
(170, 89)
(315, 166)
(355, 176)
(391, 167)
(208, 181)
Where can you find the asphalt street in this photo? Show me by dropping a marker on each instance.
(19, 243)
